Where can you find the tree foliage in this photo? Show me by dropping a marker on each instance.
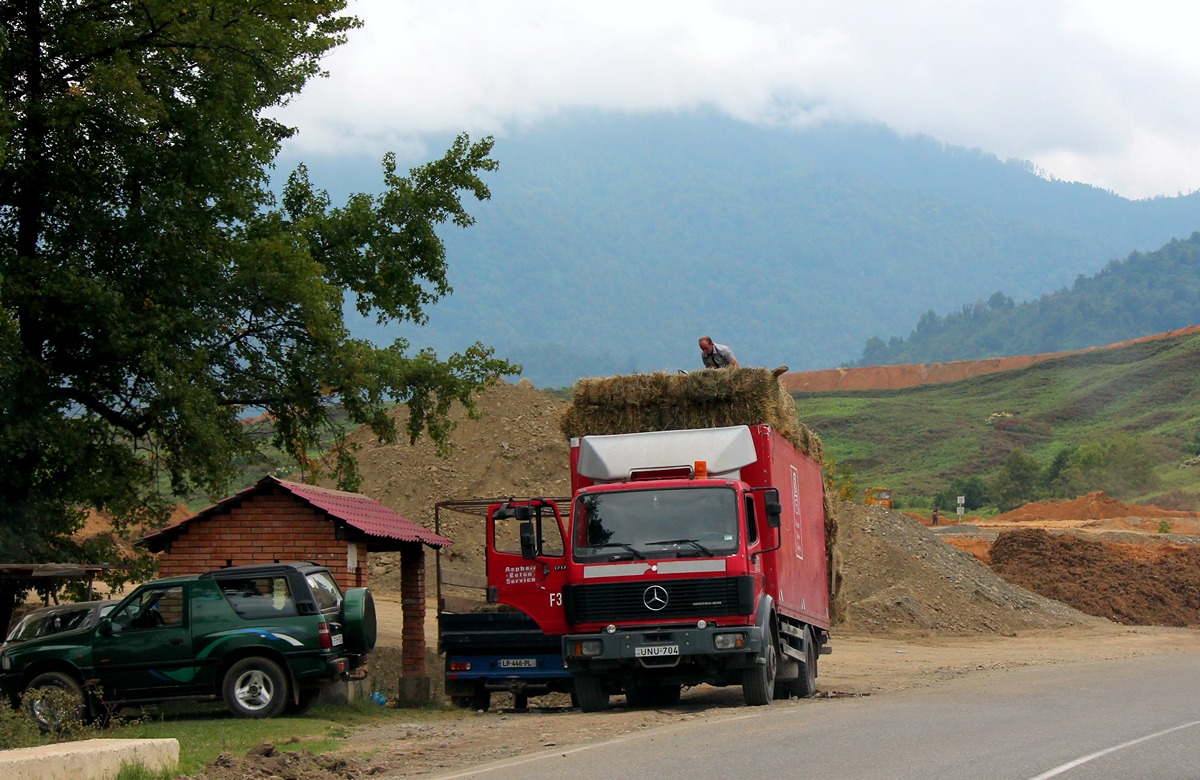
(152, 290)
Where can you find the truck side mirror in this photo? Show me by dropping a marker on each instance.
(774, 512)
(772, 507)
(528, 540)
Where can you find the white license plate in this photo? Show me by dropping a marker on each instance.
(335, 640)
(518, 663)
(653, 651)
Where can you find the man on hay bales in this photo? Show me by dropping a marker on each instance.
(716, 355)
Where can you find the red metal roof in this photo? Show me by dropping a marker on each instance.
(354, 509)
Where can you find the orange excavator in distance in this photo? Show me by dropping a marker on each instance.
(877, 496)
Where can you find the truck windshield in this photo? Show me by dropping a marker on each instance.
(668, 523)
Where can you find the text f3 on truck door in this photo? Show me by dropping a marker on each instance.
(526, 562)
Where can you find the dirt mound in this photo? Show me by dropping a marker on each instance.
(1101, 581)
(1093, 506)
(513, 449)
(900, 576)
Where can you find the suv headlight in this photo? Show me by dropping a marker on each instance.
(5, 662)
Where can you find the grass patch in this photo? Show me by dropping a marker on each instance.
(204, 733)
(916, 440)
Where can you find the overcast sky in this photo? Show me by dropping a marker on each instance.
(1101, 91)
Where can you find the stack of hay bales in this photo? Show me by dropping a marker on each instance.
(639, 403)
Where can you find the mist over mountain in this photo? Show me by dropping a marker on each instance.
(612, 242)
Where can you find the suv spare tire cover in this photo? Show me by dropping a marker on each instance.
(358, 620)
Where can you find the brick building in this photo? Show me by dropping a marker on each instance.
(277, 521)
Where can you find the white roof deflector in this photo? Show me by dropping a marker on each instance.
(607, 458)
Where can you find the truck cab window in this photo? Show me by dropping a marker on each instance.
(751, 521)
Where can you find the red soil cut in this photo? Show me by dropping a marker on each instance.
(1095, 578)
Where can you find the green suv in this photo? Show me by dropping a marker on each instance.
(264, 638)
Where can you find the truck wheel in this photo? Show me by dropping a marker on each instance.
(590, 690)
(358, 620)
(758, 682)
(55, 701)
(805, 685)
(255, 688)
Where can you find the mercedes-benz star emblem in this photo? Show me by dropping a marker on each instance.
(655, 598)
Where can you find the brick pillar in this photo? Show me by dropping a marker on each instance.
(414, 682)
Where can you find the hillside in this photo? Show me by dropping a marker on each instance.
(1145, 293)
(916, 440)
(792, 246)
(893, 377)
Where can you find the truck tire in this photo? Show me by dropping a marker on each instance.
(255, 688)
(590, 690)
(758, 682)
(55, 701)
(359, 624)
(805, 685)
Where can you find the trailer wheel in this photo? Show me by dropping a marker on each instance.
(590, 690)
(758, 682)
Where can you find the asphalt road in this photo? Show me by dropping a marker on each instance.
(1129, 718)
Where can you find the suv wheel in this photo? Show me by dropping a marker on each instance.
(255, 688)
(54, 700)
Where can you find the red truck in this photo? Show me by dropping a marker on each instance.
(687, 557)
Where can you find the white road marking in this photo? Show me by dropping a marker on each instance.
(1058, 770)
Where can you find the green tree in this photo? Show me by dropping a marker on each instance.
(1016, 482)
(1122, 466)
(152, 289)
(973, 490)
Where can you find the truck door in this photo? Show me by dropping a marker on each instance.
(526, 560)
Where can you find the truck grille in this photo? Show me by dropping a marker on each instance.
(684, 599)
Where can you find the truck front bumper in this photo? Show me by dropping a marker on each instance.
(661, 647)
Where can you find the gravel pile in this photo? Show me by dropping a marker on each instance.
(900, 576)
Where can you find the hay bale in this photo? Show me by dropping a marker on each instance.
(639, 403)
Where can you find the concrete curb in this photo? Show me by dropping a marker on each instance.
(92, 759)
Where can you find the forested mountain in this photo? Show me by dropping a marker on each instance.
(1143, 294)
(612, 242)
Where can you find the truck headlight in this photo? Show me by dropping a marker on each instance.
(729, 641)
(586, 647)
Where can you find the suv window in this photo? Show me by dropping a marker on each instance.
(153, 608)
(255, 598)
(325, 590)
